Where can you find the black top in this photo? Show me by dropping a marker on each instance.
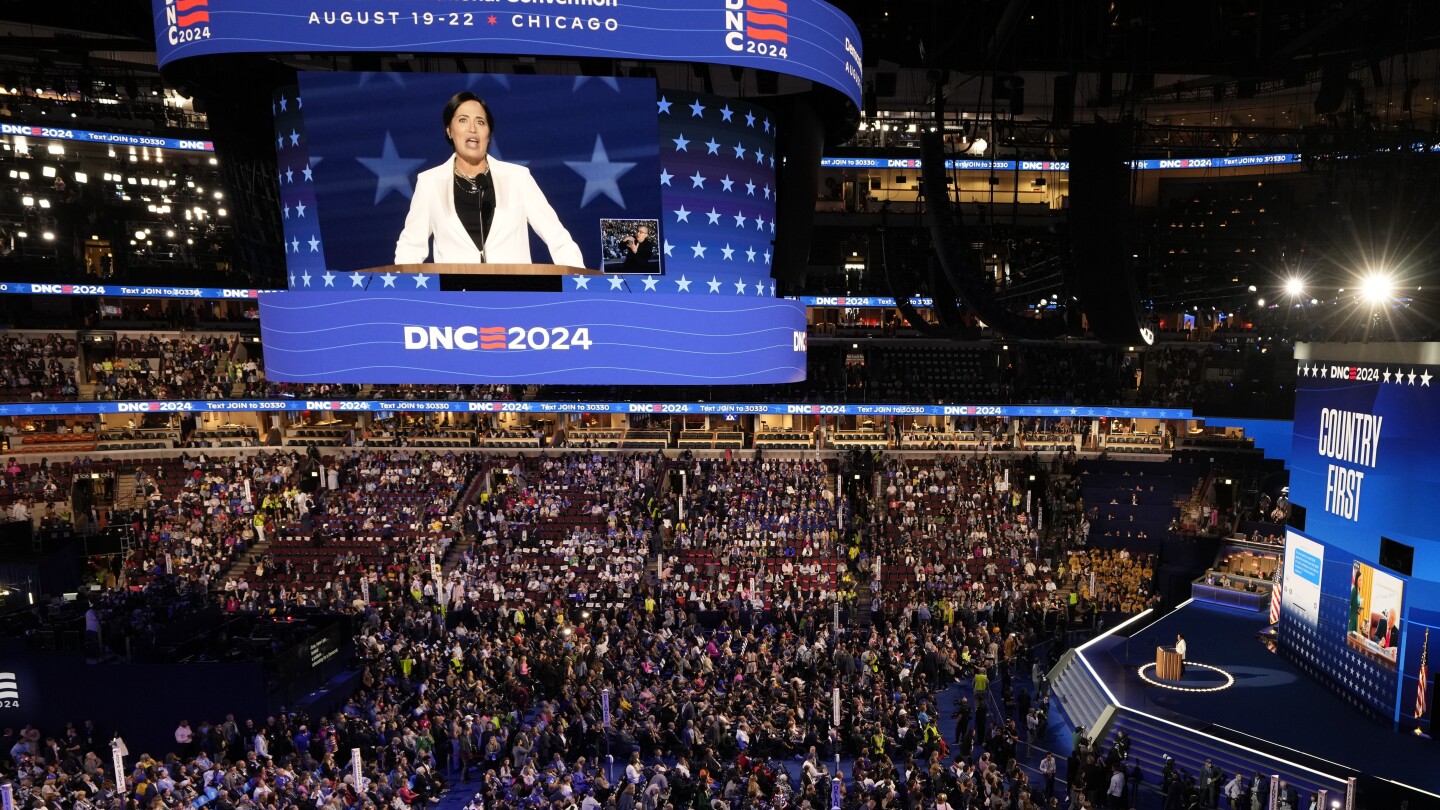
(475, 205)
(639, 258)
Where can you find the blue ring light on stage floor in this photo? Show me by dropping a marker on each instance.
(1229, 679)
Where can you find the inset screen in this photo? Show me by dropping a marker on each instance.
(1372, 620)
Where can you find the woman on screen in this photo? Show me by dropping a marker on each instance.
(478, 208)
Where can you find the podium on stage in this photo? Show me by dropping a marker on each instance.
(491, 277)
(1169, 665)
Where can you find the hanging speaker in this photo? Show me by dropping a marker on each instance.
(1099, 229)
(1062, 112)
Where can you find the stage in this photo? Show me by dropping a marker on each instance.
(1271, 706)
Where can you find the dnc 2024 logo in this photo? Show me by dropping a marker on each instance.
(760, 27)
(187, 21)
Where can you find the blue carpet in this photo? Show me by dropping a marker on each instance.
(1271, 699)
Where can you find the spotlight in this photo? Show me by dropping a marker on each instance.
(1294, 286)
(1262, 302)
(1252, 288)
(1377, 288)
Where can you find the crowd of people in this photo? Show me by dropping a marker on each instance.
(37, 367)
(693, 611)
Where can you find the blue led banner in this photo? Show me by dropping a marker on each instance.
(1232, 162)
(111, 138)
(123, 290)
(488, 406)
(809, 39)
(531, 338)
(858, 301)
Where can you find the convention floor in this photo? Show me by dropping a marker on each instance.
(1271, 699)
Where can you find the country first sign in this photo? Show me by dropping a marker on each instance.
(531, 338)
(808, 39)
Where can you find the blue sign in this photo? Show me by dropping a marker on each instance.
(531, 338)
(111, 138)
(123, 290)
(1232, 162)
(384, 406)
(809, 39)
(857, 301)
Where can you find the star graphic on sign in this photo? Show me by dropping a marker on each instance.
(714, 284)
(728, 251)
(772, 161)
(726, 183)
(767, 257)
(300, 210)
(1386, 375)
(279, 143)
(772, 225)
(299, 103)
(682, 284)
(422, 280)
(681, 215)
(289, 175)
(392, 172)
(740, 219)
(712, 147)
(305, 277)
(287, 212)
(697, 180)
(294, 245)
(650, 282)
(283, 102)
(357, 279)
(314, 244)
(714, 216)
(772, 289)
(664, 105)
(668, 247)
(767, 191)
(389, 279)
(665, 178)
(759, 223)
(616, 282)
(280, 178)
(1411, 377)
(739, 150)
(750, 254)
(608, 81)
(600, 173)
(759, 156)
(309, 176)
(294, 138)
(749, 119)
(767, 124)
(29, 409)
(329, 279)
(750, 188)
(697, 250)
(1425, 378)
(490, 20)
(741, 287)
(292, 277)
(697, 109)
(726, 112)
(582, 282)
(680, 143)
(54, 409)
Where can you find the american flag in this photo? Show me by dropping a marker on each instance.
(765, 19)
(1420, 704)
(189, 15)
(1275, 594)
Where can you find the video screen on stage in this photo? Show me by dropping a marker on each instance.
(396, 168)
(1372, 621)
(1300, 585)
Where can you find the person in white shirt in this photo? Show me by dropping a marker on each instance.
(1180, 648)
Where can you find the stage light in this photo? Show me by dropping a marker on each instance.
(139, 234)
(1294, 285)
(48, 236)
(1377, 288)
(1262, 302)
(1252, 288)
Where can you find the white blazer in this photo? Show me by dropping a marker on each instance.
(519, 203)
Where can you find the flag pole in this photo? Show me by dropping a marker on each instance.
(1420, 701)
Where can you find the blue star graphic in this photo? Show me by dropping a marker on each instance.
(681, 215)
(664, 105)
(749, 119)
(750, 254)
(759, 223)
(697, 250)
(766, 254)
(295, 245)
(739, 150)
(279, 143)
(682, 284)
(314, 244)
(767, 191)
(665, 178)
(305, 277)
(668, 247)
(289, 175)
(714, 284)
(739, 219)
(697, 180)
(357, 279)
(680, 143)
(294, 138)
(697, 109)
(750, 188)
(728, 251)
(767, 124)
(714, 216)
(309, 176)
(759, 156)
(389, 279)
(650, 282)
(600, 174)
(616, 282)
(727, 183)
(726, 112)
(608, 81)
(329, 278)
(422, 280)
(392, 172)
(581, 282)
(741, 287)
(300, 210)
(712, 147)
(286, 209)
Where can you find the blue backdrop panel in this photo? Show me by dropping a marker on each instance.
(531, 338)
